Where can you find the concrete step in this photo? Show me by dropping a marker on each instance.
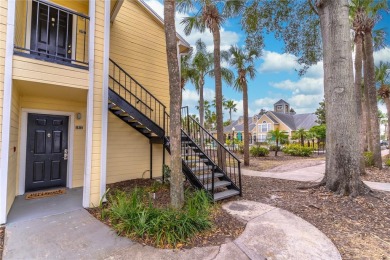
(225, 194)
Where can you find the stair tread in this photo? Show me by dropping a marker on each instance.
(225, 194)
(218, 184)
(204, 168)
(209, 175)
(197, 160)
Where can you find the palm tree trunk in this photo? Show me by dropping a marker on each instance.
(230, 114)
(277, 147)
(364, 122)
(246, 123)
(218, 91)
(342, 174)
(358, 90)
(369, 81)
(201, 102)
(176, 187)
(387, 102)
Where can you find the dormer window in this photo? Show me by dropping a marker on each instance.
(279, 107)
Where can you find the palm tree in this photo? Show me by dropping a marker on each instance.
(186, 69)
(278, 136)
(231, 106)
(202, 66)
(243, 61)
(301, 134)
(368, 10)
(382, 76)
(176, 187)
(211, 15)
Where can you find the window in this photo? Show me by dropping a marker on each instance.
(262, 138)
(279, 107)
(265, 127)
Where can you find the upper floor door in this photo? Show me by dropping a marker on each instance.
(51, 32)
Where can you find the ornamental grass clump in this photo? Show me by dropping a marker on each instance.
(134, 215)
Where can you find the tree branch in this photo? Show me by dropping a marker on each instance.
(312, 7)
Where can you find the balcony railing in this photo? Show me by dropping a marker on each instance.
(51, 32)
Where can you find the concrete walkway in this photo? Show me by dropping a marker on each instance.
(309, 174)
(270, 233)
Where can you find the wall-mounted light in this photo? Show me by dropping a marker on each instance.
(78, 116)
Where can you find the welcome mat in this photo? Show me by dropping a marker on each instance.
(44, 193)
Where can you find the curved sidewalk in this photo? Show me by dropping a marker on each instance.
(270, 233)
(309, 174)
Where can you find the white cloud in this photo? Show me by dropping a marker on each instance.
(305, 103)
(265, 103)
(304, 85)
(278, 62)
(382, 55)
(227, 37)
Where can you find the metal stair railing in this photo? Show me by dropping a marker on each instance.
(225, 160)
(136, 95)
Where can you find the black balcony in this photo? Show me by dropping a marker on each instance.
(51, 32)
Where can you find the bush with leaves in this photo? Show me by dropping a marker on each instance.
(297, 150)
(368, 159)
(134, 215)
(257, 151)
(273, 148)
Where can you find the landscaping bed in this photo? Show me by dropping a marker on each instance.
(285, 161)
(2, 230)
(360, 227)
(224, 226)
(376, 175)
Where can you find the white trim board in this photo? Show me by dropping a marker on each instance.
(23, 144)
(6, 115)
(106, 64)
(89, 123)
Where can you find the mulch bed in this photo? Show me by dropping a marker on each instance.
(2, 230)
(360, 227)
(271, 161)
(225, 226)
(376, 175)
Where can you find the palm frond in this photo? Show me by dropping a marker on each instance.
(192, 22)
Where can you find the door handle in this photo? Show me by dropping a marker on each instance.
(65, 154)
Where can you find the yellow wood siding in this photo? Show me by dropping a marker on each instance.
(3, 29)
(138, 46)
(128, 153)
(13, 149)
(46, 72)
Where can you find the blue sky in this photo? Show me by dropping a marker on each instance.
(276, 76)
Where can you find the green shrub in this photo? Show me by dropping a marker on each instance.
(134, 215)
(273, 148)
(258, 151)
(368, 159)
(387, 162)
(297, 150)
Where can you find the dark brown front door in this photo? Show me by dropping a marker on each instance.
(47, 151)
(51, 32)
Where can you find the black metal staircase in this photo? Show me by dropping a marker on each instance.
(206, 163)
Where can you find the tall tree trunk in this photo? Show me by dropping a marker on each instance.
(387, 102)
(177, 189)
(218, 91)
(277, 147)
(358, 91)
(246, 123)
(364, 121)
(369, 81)
(367, 103)
(230, 115)
(201, 102)
(342, 174)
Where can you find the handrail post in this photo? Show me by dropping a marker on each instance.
(239, 177)
(212, 180)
